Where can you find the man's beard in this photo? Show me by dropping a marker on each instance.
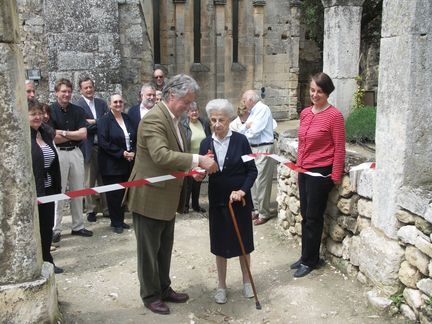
(148, 103)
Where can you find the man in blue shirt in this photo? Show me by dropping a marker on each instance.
(258, 129)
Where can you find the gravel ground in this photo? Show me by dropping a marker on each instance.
(100, 283)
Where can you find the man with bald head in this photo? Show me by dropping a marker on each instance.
(159, 79)
(258, 129)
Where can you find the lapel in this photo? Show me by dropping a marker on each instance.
(86, 107)
(173, 130)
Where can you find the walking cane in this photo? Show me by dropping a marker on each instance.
(257, 303)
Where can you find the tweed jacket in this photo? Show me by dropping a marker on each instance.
(158, 152)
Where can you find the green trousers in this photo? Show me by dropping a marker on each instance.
(154, 247)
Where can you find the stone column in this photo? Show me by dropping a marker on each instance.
(220, 46)
(341, 48)
(27, 290)
(258, 17)
(403, 132)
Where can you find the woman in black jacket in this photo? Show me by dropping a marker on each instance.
(117, 141)
(46, 170)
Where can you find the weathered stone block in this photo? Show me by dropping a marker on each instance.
(408, 234)
(348, 223)
(377, 302)
(362, 182)
(424, 245)
(9, 24)
(423, 225)
(346, 246)
(294, 205)
(362, 223)
(418, 259)
(413, 298)
(414, 199)
(334, 196)
(379, 259)
(425, 314)
(405, 216)
(336, 232)
(334, 248)
(30, 301)
(425, 285)
(409, 275)
(365, 207)
(345, 187)
(407, 312)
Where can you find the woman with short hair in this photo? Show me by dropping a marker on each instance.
(231, 183)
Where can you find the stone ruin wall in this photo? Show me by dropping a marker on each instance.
(111, 41)
(354, 246)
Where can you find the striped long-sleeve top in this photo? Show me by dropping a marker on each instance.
(322, 140)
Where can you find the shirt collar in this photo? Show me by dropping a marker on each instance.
(228, 135)
(88, 101)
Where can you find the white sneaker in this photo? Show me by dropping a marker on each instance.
(247, 290)
(220, 296)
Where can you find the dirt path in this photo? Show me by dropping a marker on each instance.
(100, 283)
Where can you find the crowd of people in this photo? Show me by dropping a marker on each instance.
(91, 142)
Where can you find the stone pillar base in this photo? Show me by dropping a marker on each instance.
(31, 302)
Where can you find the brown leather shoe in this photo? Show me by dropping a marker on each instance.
(158, 307)
(175, 297)
(255, 215)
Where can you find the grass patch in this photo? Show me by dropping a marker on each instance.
(360, 124)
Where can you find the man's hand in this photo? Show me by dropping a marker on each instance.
(199, 176)
(206, 162)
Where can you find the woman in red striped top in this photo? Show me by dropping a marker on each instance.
(321, 149)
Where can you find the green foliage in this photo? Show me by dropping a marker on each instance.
(313, 18)
(397, 299)
(360, 125)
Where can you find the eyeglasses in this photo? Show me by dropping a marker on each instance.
(159, 77)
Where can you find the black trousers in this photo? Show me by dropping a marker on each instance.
(313, 202)
(46, 224)
(154, 247)
(114, 199)
(192, 189)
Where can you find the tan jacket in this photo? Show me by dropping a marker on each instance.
(158, 153)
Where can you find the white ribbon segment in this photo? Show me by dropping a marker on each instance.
(52, 198)
(107, 188)
(160, 178)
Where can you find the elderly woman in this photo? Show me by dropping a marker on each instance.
(46, 170)
(321, 149)
(197, 129)
(231, 183)
(116, 140)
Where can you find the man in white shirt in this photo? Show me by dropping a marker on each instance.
(258, 129)
(148, 100)
(94, 108)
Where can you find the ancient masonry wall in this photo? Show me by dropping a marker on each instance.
(401, 266)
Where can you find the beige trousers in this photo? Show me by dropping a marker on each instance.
(261, 190)
(72, 178)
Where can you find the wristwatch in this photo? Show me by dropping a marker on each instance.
(64, 133)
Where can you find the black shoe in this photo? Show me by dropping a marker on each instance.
(58, 270)
(302, 271)
(118, 230)
(91, 217)
(56, 237)
(123, 225)
(199, 209)
(82, 232)
(185, 210)
(296, 264)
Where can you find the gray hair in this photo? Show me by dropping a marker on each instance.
(29, 82)
(179, 86)
(147, 85)
(193, 105)
(220, 105)
(253, 95)
(114, 94)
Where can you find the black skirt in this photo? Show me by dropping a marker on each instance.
(223, 238)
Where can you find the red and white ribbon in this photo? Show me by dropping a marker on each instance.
(294, 167)
(116, 186)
